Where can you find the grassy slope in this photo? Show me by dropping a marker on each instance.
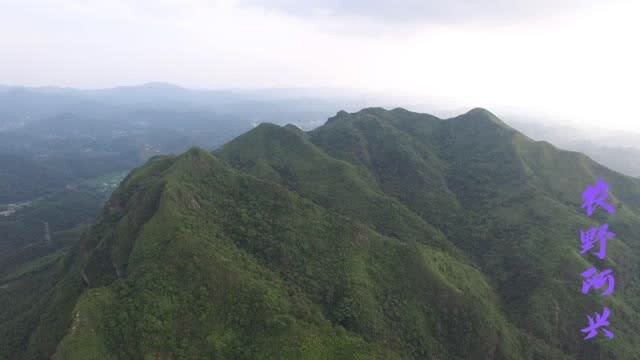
(517, 203)
(239, 267)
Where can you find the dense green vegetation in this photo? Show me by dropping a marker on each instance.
(380, 235)
(39, 283)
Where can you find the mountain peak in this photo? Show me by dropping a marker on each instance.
(197, 152)
(338, 116)
(482, 114)
(374, 109)
(479, 112)
(159, 85)
(295, 129)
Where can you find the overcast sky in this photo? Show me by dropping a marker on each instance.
(562, 59)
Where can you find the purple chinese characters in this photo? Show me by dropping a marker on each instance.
(594, 241)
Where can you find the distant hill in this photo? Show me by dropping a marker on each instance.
(87, 133)
(623, 159)
(379, 235)
(22, 105)
(617, 150)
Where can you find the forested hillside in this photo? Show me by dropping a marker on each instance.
(379, 235)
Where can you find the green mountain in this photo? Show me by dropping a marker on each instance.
(380, 235)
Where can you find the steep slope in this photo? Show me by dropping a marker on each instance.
(285, 156)
(511, 204)
(380, 235)
(232, 266)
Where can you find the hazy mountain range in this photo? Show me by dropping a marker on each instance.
(135, 122)
(65, 135)
(618, 150)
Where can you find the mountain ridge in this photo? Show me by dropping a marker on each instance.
(383, 234)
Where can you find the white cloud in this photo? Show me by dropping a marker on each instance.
(432, 11)
(578, 65)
